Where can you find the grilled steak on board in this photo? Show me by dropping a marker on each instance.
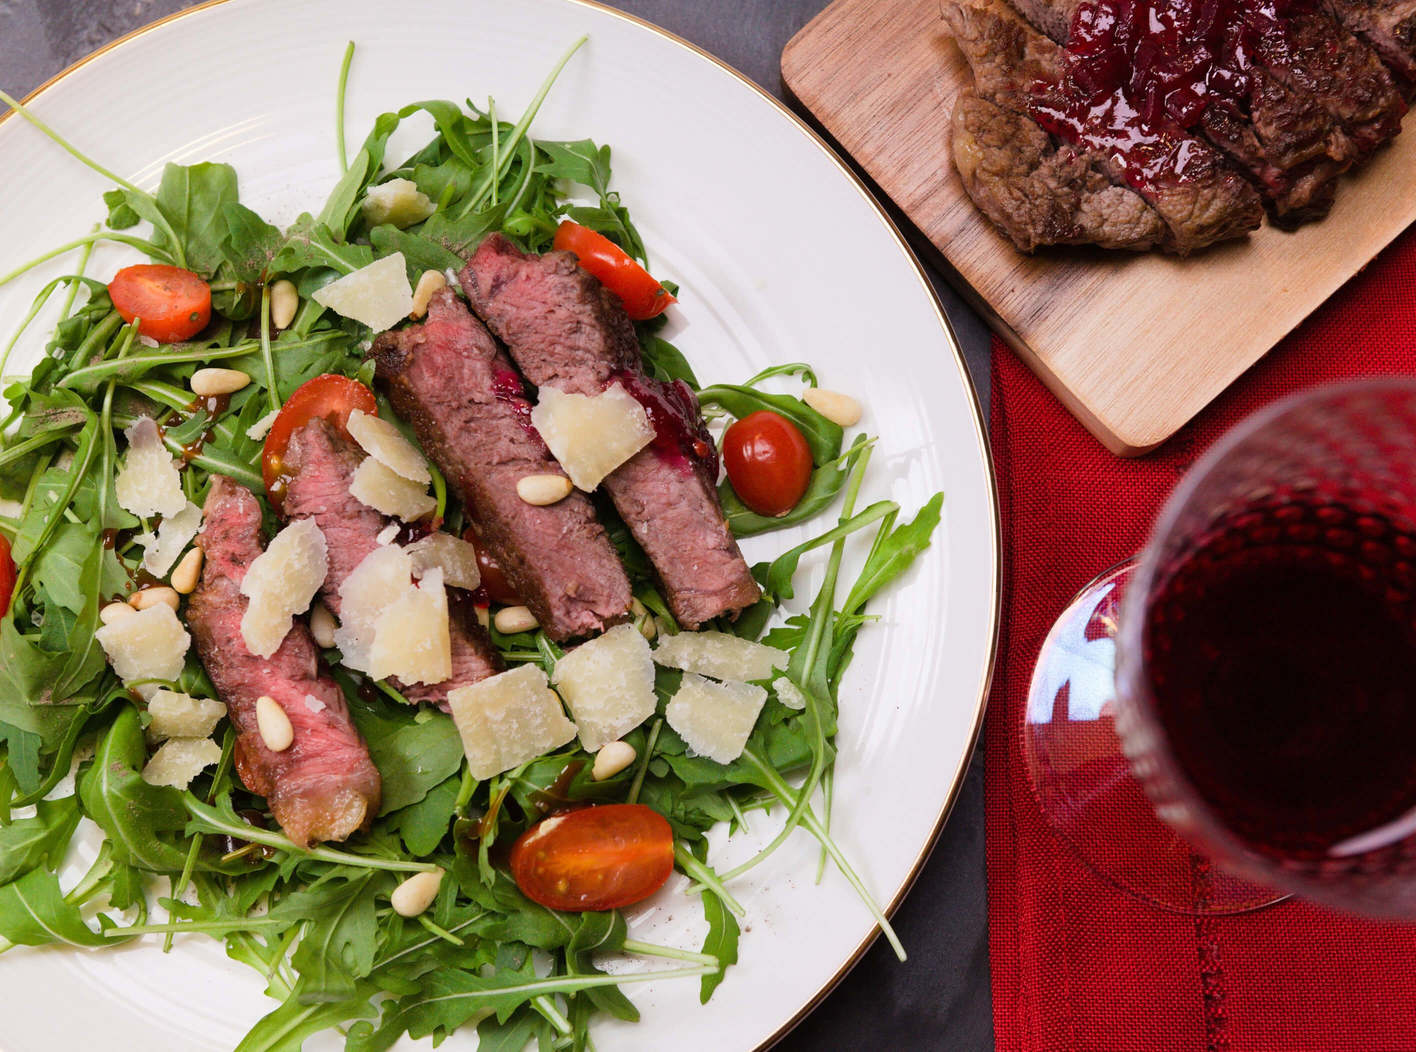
(565, 330)
(1299, 100)
(320, 463)
(448, 378)
(1389, 26)
(1040, 193)
(324, 786)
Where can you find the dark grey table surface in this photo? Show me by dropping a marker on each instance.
(940, 997)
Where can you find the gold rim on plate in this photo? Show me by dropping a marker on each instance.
(980, 431)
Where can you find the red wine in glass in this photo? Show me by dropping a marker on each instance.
(1235, 711)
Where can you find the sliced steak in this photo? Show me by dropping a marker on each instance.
(324, 786)
(448, 378)
(1291, 98)
(1389, 26)
(1082, 192)
(565, 330)
(320, 463)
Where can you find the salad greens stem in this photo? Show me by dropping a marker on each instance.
(649, 949)
(215, 927)
(828, 783)
(652, 741)
(169, 355)
(706, 877)
(210, 816)
(272, 390)
(441, 933)
(141, 244)
(79, 274)
(547, 1008)
(784, 792)
(339, 151)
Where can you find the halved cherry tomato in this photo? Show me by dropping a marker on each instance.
(643, 297)
(768, 462)
(173, 304)
(7, 575)
(494, 583)
(597, 858)
(330, 396)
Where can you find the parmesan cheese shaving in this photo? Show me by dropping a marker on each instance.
(412, 639)
(280, 583)
(720, 655)
(174, 533)
(176, 715)
(608, 684)
(714, 719)
(389, 493)
(148, 483)
(455, 557)
(591, 435)
(180, 760)
(150, 644)
(384, 574)
(386, 444)
(398, 201)
(377, 295)
(508, 719)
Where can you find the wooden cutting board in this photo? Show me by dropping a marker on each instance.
(1133, 345)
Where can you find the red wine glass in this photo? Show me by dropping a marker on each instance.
(1230, 717)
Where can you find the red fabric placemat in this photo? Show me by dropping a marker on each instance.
(1077, 964)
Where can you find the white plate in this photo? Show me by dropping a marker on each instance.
(782, 256)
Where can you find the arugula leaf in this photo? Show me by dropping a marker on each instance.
(139, 819)
(40, 840)
(423, 825)
(34, 912)
(893, 554)
(338, 943)
(822, 436)
(721, 941)
(285, 1029)
(311, 243)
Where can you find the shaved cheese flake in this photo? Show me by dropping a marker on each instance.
(508, 719)
(314, 704)
(148, 483)
(389, 493)
(398, 201)
(386, 444)
(714, 719)
(150, 644)
(378, 295)
(180, 760)
(591, 435)
(608, 684)
(174, 533)
(383, 575)
(455, 557)
(280, 583)
(257, 431)
(177, 715)
(788, 693)
(412, 640)
(388, 534)
(720, 655)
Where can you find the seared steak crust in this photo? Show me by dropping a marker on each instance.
(324, 786)
(448, 378)
(1389, 26)
(321, 463)
(565, 330)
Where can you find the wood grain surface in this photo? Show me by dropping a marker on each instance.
(1134, 345)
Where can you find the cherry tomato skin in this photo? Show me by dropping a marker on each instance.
(172, 304)
(494, 584)
(596, 858)
(330, 396)
(768, 462)
(643, 297)
(7, 575)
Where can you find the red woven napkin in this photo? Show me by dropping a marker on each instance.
(1077, 964)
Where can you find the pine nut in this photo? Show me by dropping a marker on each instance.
(416, 893)
(541, 490)
(188, 572)
(836, 407)
(612, 759)
(274, 724)
(484, 616)
(113, 611)
(322, 625)
(147, 597)
(208, 383)
(428, 283)
(284, 302)
(512, 619)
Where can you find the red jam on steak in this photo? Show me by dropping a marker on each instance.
(1137, 74)
(680, 436)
